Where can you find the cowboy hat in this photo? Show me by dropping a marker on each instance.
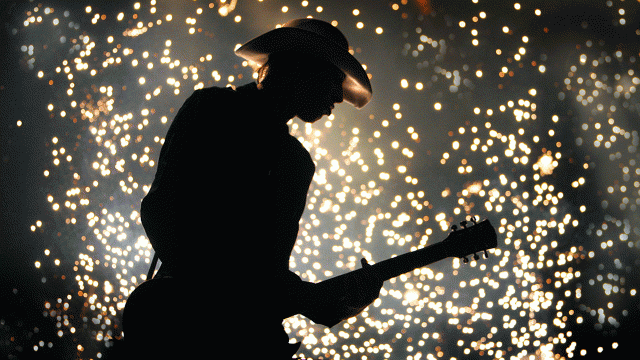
(317, 38)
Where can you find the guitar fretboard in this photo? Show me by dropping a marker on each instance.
(398, 265)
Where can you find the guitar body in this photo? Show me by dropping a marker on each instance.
(165, 318)
(156, 322)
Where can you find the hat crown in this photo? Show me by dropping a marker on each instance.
(321, 28)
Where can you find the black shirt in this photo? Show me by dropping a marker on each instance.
(230, 188)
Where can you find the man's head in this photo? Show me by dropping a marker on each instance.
(311, 86)
(309, 59)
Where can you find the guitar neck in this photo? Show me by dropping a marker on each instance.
(405, 263)
(396, 266)
(384, 270)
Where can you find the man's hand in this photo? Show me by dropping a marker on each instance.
(363, 287)
(343, 297)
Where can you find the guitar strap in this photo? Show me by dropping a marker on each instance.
(152, 269)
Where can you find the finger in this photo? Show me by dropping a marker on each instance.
(372, 275)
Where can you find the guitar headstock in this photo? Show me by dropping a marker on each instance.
(469, 238)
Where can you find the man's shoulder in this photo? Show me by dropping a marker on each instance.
(225, 92)
(213, 93)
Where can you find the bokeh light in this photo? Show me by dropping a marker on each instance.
(481, 111)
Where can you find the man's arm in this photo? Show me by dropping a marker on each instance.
(334, 300)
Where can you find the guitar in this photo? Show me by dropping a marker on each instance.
(150, 298)
(468, 240)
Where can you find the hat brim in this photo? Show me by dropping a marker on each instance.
(356, 86)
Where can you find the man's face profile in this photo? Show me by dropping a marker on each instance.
(319, 93)
(310, 87)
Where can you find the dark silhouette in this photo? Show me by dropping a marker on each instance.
(224, 208)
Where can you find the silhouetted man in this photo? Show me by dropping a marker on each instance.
(223, 211)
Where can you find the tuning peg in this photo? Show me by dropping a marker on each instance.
(486, 254)
(473, 219)
(476, 257)
(465, 260)
(464, 224)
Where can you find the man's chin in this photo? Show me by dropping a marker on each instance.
(310, 117)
